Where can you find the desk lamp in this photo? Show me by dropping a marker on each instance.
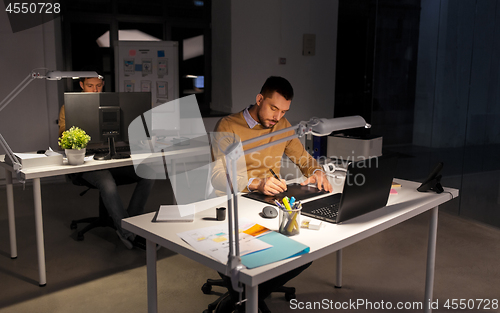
(51, 75)
(315, 126)
(230, 148)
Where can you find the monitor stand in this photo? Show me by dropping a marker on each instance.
(112, 155)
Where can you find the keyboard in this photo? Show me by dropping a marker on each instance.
(330, 211)
(325, 209)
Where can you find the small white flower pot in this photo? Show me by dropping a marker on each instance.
(75, 157)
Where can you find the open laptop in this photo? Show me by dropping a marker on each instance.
(366, 188)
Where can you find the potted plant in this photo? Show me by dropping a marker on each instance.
(74, 141)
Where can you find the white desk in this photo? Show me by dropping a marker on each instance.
(35, 173)
(401, 207)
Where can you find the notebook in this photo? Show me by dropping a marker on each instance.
(175, 213)
(366, 188)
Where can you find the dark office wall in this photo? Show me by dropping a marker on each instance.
(425, 73)
(28, 122)
(458, 82)
(376, 68)
(458, 100)
(262, 32)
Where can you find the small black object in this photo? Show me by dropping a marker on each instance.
(269, 212)
(40, 152)
(433, 181)
(221, 213)
(112, 154)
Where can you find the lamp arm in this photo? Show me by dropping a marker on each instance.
(13, 158)
(17, 166)
(234, 259)
(52, 75)
(271, 134)
(313, 126)
(323, 125)
(270, 144)
(13, 94)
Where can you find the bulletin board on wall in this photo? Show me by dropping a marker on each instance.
(148, 66)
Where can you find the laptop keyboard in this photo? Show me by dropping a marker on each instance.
(325, 209)
(329, 211)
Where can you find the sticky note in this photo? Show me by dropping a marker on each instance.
(220, 239)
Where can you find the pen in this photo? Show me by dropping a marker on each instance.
(274, 174)
(278, 204)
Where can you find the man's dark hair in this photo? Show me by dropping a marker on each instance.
(278, 84)
(91, 68)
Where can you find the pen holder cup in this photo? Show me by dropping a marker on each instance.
(289, 222)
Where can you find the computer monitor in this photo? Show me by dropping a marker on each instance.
(199, 82)
(105, 116)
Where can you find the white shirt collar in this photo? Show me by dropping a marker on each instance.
(248, 118)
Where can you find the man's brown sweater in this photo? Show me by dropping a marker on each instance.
(258, 163)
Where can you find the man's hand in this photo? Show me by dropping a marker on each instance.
(268, 186)
(319, 178)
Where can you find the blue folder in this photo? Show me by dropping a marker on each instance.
(282, 248)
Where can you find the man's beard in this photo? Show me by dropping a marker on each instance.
(261, 122)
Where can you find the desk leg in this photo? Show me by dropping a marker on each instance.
(37, 196)
(338, 283)
(10, 212)
(431, 259)
(252, 303)
(151, 275)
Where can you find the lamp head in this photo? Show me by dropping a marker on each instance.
(58, 75)
(324, 126)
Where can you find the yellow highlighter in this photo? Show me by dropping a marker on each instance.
(287, 205)
(293, 221)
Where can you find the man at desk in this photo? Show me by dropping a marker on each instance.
(264, 117)
(106, 181)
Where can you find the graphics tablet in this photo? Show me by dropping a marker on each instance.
(296, 190)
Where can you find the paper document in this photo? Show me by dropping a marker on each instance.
(175, 213)
(50, 152)
(214, 240)
(25, 156)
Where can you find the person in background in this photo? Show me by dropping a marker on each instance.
(88, 84)
(106, 181)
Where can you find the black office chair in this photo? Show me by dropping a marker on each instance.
(207, 289)
(103, 220)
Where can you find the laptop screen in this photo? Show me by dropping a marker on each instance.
(367, 186)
